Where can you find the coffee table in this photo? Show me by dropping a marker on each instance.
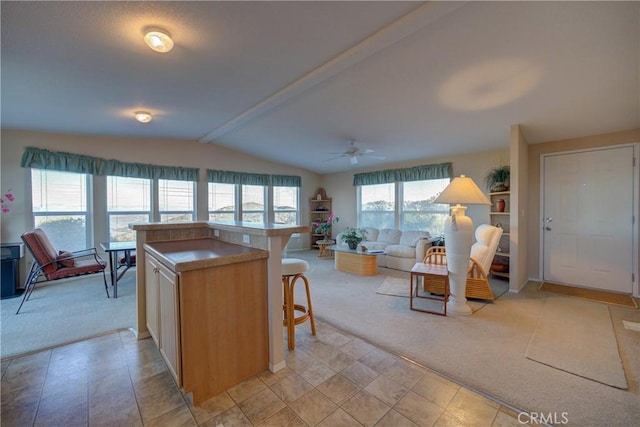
(354, 261)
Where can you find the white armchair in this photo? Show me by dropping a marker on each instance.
(482, 253)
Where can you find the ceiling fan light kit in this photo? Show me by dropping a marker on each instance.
(354, 152)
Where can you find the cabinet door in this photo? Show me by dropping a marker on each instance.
(169, 318)
(152, 303)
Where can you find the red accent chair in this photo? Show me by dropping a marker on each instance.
(49, 264)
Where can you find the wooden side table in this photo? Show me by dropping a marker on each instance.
(322, 246)
(438, 275)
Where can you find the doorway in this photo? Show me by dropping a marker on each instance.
(588, 226)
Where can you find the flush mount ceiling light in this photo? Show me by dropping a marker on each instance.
(143, 116)
(158, 40)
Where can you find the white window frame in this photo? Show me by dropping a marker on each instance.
(399, 212)
(273, 211)
(234, 213)
(360, 212)
(156, 195)
(110, 213)
(265, 206)
(268, 211)
(87, 213)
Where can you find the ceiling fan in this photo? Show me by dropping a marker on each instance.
(354, 153)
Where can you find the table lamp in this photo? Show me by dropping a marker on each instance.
(458, 237)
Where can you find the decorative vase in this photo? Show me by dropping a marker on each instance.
(500, 205)
(352, 244)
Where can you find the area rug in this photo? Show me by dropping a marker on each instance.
(590, 294)
(577, 336)
(66, 311)
(394, 286)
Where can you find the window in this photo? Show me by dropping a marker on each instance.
(253, 203)
(222, 202)
(403, 205)
(418, 210)
(285, 205)
(60, 201)
(128, 200)
(175, 200)
(377, 206)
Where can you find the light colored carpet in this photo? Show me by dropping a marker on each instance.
(485, 351)
(399, 287)
(577, 336)
(66, 311)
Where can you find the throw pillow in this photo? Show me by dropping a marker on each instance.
(70, 263)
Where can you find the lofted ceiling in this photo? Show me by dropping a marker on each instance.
(293, 82)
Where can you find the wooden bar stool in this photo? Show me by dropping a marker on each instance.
(292, 270)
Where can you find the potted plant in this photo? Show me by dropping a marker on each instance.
(324, 226)
(497, 179)
(353, 236)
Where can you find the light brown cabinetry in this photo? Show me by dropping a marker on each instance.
(208, 314)
(152, 298)
(163, 313)
(320, 209)
(500, 266)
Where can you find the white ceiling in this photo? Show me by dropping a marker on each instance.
(294, 81)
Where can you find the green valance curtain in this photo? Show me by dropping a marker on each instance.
(142, 170)
(286, 181)
(227, 177)
(416, 173)
(40, 158)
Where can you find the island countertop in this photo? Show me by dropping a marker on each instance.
(194, 254)
(256, 228)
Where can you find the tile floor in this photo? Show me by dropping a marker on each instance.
(333, 379)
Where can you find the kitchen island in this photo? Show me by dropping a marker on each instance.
(170, 245)
(206, 304)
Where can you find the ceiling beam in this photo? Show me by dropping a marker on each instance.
(408, 24)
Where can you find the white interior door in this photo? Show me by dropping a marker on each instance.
(588, 219)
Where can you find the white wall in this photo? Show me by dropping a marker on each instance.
(519, 215)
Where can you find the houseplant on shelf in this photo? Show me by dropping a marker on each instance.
(497, 179)
(323, 226)
(353, 236)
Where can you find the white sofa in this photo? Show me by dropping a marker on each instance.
(402, 249)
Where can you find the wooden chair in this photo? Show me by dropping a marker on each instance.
(292, 270)
(482, 253)
(49, 264)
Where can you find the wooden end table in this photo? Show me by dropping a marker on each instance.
(322, 246)
(429, 271)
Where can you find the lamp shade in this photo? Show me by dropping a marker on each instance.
(462, 190)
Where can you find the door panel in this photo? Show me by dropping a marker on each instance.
(588, 211)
